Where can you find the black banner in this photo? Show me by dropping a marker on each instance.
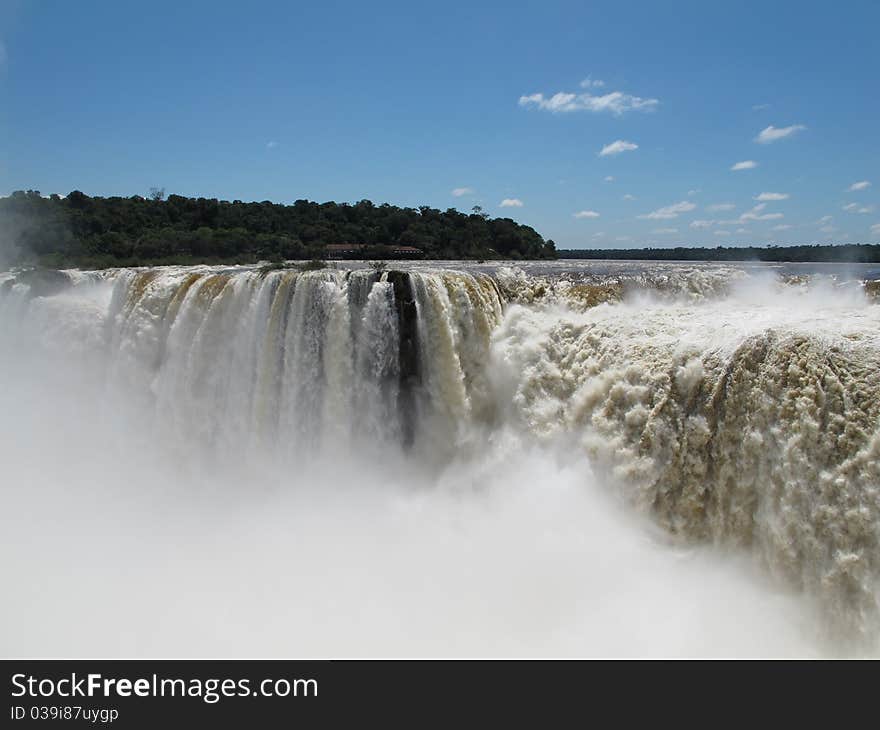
(239, 693)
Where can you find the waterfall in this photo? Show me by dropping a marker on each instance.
(739, 425)
(734, 416)
(300, 362)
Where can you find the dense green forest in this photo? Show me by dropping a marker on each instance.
(95, 232)
(849, 253)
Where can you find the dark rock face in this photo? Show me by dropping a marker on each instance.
(410, 374)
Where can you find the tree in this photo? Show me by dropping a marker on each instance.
(478, 211)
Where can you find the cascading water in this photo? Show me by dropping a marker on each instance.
(735, 411)
(745, 426)
(301, 361)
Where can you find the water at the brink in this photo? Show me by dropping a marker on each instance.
(558, 459)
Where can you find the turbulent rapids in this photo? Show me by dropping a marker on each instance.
(737, 407)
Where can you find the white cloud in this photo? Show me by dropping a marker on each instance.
(855, 208)
(764, 217)
(722, 233)
(615, 102)
(743, 230)
(697, 225)
(511, 203)
(875, 229)
(759, 107)
(827, 229)
(461, 192)
(781, 227)
(856, 186)
(623, 238)
(599, 234)
(589, 83)
(755, 214)
(720, 206)
(772, 196)
(824, 219)
(744, 165)
(586, 214)
(609, 178)
(772, 134)
(662, 231)
(271, 145)
(691, 193)
(629, 197)
(670, 211)
(615, 148)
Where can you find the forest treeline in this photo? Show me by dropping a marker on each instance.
(96, 232)
(845, 253)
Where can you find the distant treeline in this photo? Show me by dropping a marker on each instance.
(95, 232)
(848, 253)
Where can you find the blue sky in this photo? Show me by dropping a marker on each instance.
(463, 104)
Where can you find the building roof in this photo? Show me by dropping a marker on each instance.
(359, 246)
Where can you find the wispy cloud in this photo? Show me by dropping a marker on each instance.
(702, 224)
(670, 211)
(856, 208)
(614, 102)
(759, 107)
(760, 217)
(827, 229)
(720, 206)
(691, 193)
(722, 233)
(609, 178)
(772, 134)
(586, 214)
(824, 219)
(744, 165)
(781, 227)
(589, 83)
(756, 214)
(764, 197)
(616, 147)
(461, 192)
(856, 186)
(875, 229)
(511, 203)
(271, 145)
(629, 197)
(664, 231)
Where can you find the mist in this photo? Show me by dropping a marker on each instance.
(116, 551)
